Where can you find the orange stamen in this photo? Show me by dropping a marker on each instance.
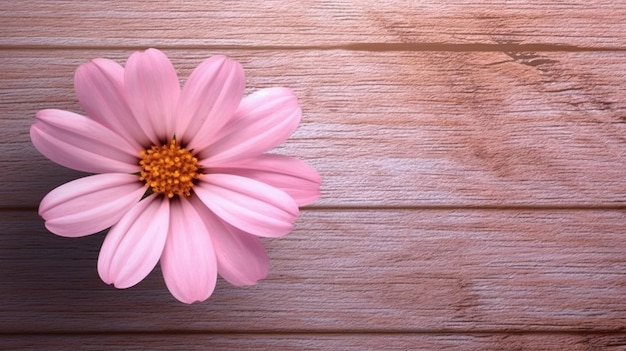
(169, 169)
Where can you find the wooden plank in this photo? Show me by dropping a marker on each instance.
(310, 342)
(41, 23)
(391, 128)
(460, 271)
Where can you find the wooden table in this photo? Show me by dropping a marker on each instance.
(472, 152)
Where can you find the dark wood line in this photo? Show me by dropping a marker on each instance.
(505, 207)
(443, 332)
(478, 47)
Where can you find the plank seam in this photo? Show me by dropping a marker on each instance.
(373, 47)
(444, 332)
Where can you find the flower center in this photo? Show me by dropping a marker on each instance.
(169, 169)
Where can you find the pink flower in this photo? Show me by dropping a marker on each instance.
(182, 175)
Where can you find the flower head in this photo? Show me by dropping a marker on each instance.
(182, 176)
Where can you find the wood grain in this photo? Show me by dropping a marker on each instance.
(308, 342)
(597, 24)
(472, 152)
(392, 128)
(362, 270)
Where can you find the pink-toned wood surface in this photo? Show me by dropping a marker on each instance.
(473, 156)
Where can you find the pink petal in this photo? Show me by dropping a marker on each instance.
(208, 100)
(289, 174)
(247, 204)
(241, 257)
(153, 89)
(77, 142)
(134, 245)
(91, 204)
(264, 120)
(188, 262)
(99, 86)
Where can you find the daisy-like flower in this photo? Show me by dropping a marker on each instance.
(181, 175)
